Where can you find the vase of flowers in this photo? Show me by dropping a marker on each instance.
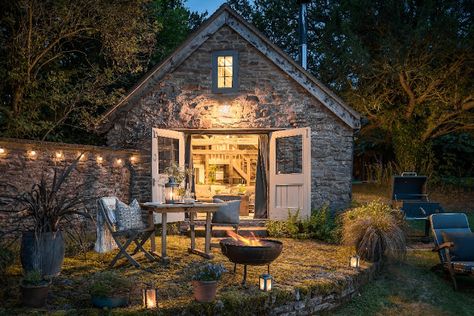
(205, 281)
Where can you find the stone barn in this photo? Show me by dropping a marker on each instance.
(245, 118)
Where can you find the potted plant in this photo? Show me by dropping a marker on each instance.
(109, 289)
(204, 281)
(34, 289)
(376, 231)
(41, 211)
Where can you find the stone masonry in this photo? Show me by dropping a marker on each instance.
(107, 171)
(267, 98)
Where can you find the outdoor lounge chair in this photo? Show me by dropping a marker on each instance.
(454, 243)
(413, 211)
(137, 236)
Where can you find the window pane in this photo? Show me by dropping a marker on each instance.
(168, 152)
(228, 71)
(289, 154)
(220, 82)
(221, 71)
(228, 82)
(221, 61)
(228, 60)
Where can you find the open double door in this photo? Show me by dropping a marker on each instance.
(289, 170)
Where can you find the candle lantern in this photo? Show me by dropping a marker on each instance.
(265, 282)
(171, 190)
(150, 298)
(354, 262)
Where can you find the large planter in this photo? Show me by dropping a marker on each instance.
(204, 291)
(110, 302)
(34, 296)
(45, 254)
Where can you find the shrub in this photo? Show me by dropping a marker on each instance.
(321, 225)
(109, 283)
(376, 230)
(7, 258)
(209, 272)
(34, 278)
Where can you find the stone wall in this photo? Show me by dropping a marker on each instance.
(267, 98)
(106, 171)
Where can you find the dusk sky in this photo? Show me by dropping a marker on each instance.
(203, 5)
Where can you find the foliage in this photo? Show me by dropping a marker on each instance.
(209, 272)
(178, 173)
(34, 278)
(176, 22)
(376, 230)
(407, 66)
(321, 225)
(48, 204)
(7, 257)
(109, 283)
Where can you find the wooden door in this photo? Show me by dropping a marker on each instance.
(290, 173)
(167, 147)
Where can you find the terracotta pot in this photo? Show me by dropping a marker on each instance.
(204, 291)
(34, 296)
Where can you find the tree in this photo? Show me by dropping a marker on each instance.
(64, 60)
(407, 66)
(177, 23)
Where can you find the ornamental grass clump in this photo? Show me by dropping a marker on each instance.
(376, 231)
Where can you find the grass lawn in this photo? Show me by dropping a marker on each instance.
(304, 264)
(411, 288)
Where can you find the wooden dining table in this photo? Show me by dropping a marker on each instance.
(192, 209)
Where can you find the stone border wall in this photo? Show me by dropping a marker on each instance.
(107, 171)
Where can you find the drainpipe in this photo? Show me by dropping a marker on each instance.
(303, 51)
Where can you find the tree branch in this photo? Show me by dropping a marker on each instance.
(409, 92)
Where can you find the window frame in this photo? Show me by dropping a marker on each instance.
(235, 71)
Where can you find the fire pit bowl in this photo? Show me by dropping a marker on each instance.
(251, 255)
(262, 254)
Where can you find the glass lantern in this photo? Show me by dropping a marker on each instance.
(354, 262)
(171, 189)
(265, 282)
(150, 298)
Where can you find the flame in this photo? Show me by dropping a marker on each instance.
(251, 241)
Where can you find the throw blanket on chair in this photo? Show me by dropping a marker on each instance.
(105, 242)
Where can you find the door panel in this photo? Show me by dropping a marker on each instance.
(290, 173)
(167, 147)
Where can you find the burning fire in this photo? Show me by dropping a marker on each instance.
(251, 241)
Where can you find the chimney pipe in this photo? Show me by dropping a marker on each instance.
(303, 51)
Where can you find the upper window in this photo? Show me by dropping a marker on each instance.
(224, 71)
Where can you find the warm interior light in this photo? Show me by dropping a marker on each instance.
(150, 298)
(265, 282)
(354, 262)
(224, 109)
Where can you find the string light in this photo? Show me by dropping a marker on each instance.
(32, 153)
(59, 155)
(133, 159)
(118, 161)
(100, 159)
(2, 150)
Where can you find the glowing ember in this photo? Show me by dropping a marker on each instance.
(251, 241)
